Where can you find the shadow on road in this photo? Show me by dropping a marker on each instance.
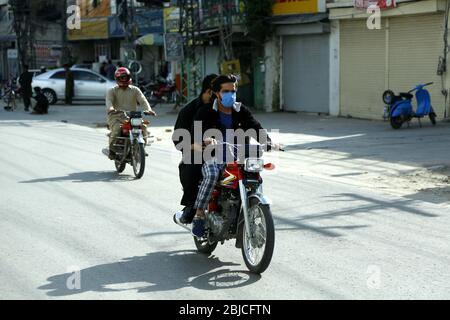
(355, 205)
(88, 176)
(155, 272)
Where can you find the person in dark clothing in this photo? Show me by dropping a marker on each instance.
(103, 68)
(70, 85)
(225, 115)
(41, 102)
(25, 80)
(110, 70)
(190, 173)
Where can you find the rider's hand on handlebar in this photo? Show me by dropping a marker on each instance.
(150, 113)
(277, 147)
(210, 141)
(111, 110)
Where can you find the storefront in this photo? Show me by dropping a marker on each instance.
(400, 55)
(305, 55)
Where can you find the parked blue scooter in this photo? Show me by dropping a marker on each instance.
(399, 107)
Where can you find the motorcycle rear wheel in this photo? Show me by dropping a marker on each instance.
(138, 159)
(120, 166)
(262, 227)
(204, 246)
(396, 122)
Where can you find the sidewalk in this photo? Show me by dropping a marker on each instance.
(412, 162)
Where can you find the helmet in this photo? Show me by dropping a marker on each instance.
(123, 77)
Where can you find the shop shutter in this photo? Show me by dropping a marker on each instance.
(306, 61)
(362, 69)
(415, 44)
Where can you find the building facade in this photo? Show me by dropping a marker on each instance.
(404, 52)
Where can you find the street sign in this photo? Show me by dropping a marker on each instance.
(12, 54)
(382, 4)
(173, 46)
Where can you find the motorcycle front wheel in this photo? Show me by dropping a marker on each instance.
(257, 248)
(138, 159)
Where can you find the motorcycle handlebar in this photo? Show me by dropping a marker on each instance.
(128, 113)
(420, 85)
(271, 146)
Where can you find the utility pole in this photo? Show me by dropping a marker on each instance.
(22, 27)
(65, 52)
(190, 23)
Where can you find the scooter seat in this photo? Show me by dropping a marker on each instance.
(406, 95)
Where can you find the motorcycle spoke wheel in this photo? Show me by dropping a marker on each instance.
(138, 159)
(257, 248)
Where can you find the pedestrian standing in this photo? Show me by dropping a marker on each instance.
(25, 80)
(103, 68)
(110, 70)
(69, 85)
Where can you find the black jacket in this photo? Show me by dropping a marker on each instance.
(41, 103)
(242, 119)
(25, 80)
(186, 117)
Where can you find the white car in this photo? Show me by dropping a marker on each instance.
(89, 85)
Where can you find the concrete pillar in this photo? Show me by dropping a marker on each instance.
(272, 75)
(334, 68)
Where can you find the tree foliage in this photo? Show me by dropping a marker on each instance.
(257, 14)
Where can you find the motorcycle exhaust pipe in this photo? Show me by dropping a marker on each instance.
(182, 225)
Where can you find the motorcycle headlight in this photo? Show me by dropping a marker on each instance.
(136, 122)
(254, 165)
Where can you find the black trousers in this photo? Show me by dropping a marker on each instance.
(26, 101)
(190, 176)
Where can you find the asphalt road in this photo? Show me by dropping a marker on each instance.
(63, 208)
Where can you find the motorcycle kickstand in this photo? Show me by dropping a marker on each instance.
(420, 123)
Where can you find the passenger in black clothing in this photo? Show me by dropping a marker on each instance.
(41, 102)
(25, 80)
(226, 115)
(190, 173)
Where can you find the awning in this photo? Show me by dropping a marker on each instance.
(8, 37)
(299, 18)
(150, 39)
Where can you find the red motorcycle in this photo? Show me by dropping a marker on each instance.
(239, 210)
(161, 91)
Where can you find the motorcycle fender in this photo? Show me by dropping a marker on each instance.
(261, 198)
(140, 138)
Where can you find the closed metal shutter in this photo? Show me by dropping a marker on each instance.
(362, 75)
(415, 44)
(368, 67)
(306, 73)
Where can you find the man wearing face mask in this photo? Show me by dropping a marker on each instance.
(225, 114)
(190, 172)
